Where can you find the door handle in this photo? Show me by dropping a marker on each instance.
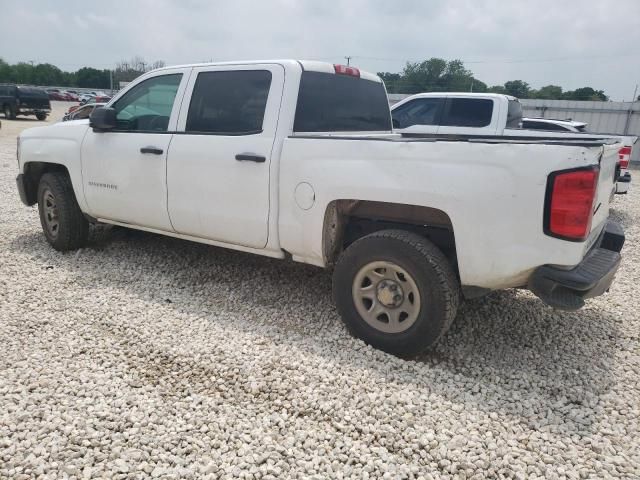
(152, 150)
(250, 157)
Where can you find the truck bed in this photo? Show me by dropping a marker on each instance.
(492, 189)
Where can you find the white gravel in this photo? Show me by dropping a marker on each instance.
(143, 356)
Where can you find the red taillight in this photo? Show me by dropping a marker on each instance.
(569, 208)
(344, 70)
(624, 156)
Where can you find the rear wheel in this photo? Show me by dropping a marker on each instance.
(396, 291)
(41, 116)
(63, 223)
(9, 112)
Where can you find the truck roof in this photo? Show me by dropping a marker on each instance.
(305, 65)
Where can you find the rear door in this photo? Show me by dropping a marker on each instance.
(469, 116)
(219, 160)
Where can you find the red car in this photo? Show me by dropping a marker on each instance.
(55, 94)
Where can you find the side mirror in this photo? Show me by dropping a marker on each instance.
(102, 119)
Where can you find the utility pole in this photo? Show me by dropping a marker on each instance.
(348, 60)
(471, 89)
(111, 80)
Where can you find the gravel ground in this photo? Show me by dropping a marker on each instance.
(143, 356)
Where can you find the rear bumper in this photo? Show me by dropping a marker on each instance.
(568, 289)
(623, 183)
(31, 110)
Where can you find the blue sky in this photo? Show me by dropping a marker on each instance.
(572, 44)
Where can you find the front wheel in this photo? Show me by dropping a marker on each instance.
(396, 291)
(9, 112)
(63, 223)
(41, 116)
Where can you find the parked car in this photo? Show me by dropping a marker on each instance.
(553, 125)
(84, 111)
(492, 114)
(21, 100)
(295, 159)
(85, 97)
(56, 94)
(457, 113)
(89, 101)
(71, 96)
(572, 126)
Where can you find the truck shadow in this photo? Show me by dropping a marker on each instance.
(525, 360)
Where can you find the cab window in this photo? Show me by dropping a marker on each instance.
(422, 111)
(229, 102)
(147, 106)
(467, 112)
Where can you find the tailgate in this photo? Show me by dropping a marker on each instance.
(606, 189)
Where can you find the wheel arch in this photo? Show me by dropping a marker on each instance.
(347, 220)
(33, 172)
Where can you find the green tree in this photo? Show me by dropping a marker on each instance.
(393, 81)
(46, 74)
(549, 92)
(585, 93)
(88, 77)
(479, 86)
(6, 72)
(498, 89)
(433, 75)
(517, 88)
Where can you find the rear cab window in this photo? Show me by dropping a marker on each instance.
(329, 102)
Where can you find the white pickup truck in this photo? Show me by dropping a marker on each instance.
(293, 159)
(486, 114)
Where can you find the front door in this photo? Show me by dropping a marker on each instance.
(420, 115)
(124, 169)
(219, 160)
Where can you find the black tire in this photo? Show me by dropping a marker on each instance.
(55, 194)
(9, 112)
(41, 116)
(428, 270)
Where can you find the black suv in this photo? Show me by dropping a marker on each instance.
(18, 100)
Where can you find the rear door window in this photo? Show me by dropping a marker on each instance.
(229, 102)
(467, 112)
(421, 111)
(329, 102)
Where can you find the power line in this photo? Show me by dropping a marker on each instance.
(507, 61)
